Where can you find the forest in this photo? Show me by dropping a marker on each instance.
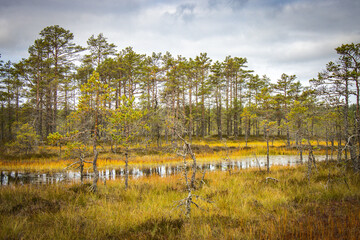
(66, 106)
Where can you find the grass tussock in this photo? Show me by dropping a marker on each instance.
(245, 206)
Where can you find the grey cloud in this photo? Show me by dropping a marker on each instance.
(275, 35)
(22, 20)
(238, 4)
(185, 11)
(76, 5)
(324, 16)
(234, 4)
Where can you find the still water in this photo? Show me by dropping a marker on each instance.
(163, 170)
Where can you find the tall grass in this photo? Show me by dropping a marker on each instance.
(245, 206)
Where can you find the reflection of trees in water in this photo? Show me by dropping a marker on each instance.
(22, 178)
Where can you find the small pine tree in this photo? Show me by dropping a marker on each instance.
(25, 140)
(127, 123)
(56, 139)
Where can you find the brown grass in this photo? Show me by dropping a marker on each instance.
(244, 206)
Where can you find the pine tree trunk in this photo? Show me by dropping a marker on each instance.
(218, 115)
(38, 117)
(190, 111)
(2, 125)
(54, 119)
(126, 169)
(246, 136)
(266, 131)
(339, 143)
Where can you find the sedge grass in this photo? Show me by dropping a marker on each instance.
(244, 206)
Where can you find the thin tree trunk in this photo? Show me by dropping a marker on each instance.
(309, 165)
(54, 120)
(267, 150)
(96, 172)
(38, 126)
(246, 137)
(339, 143)
(126, 169)
(81, 169)
(194, 167)
(332, 148)
(2, 124)
(346, 113)
(9, 117)
(190, 111)
(301, 152)
(327, 144)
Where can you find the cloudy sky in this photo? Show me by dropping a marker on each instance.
(276, 36)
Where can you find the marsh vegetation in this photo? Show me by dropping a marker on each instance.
(243, 206)
(97, 112)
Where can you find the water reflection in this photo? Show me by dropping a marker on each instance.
(21, 178)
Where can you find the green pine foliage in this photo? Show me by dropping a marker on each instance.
(25, 140)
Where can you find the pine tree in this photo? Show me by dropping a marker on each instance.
(286, 88)
(266, 114)
(217, 82)
(99, 49)
(127, 125)
(90, 110)
(61, 52)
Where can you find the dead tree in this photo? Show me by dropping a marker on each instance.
(189, 183)
(227, 157)
(93, 187)
(257, 161)
(311, 161)
(353, 155)
(78, 151)
(80, 165)
(188, 151)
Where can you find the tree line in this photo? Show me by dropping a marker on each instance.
(113, 96)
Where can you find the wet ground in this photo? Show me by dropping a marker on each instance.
(162, 170)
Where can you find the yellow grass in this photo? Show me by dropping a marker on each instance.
(244, 206)
(107, 159)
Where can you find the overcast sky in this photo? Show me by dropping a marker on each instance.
(276, 36)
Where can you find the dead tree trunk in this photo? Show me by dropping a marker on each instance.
(81, 169)
(301, 151)
(188, 200)
(194, 165)
(96, 172)
(309, 167)
(227, 158)
(311, 161)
